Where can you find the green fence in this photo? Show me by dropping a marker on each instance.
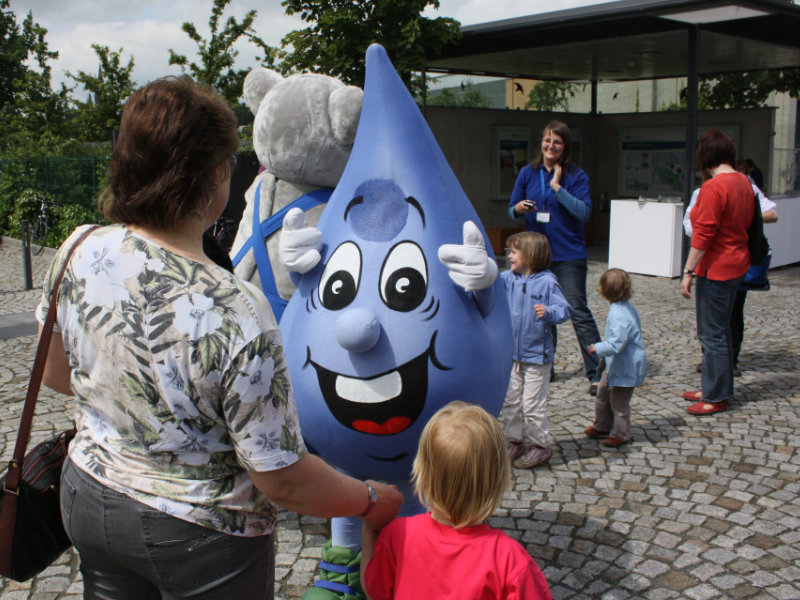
(70, 185)
(64, 180)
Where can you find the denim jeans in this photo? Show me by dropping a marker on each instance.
(571, 275)
(737, 324)
(130, 551)
(715, 301)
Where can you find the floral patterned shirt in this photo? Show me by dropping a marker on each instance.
(179, 377)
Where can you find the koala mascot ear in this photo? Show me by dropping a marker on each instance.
(256, 85)
(344, 109)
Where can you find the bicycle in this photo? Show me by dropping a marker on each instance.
(224, 231)
(39, 236)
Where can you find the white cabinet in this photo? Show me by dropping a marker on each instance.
(783, 237)
(645, 237)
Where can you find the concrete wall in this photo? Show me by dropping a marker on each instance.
(465, 136)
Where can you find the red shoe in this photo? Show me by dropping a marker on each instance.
(693, 395)
(707, 408)
(613, 442)
(594, 433)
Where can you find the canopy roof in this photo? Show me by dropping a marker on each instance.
(629, 40)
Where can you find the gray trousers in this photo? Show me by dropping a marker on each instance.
(612, 409)
(130, 551)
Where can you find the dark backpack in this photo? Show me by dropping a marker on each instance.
(756, 241)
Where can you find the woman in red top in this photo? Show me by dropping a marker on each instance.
(718, 260)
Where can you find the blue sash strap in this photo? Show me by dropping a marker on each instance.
(343, 569)
(261, 231)
(336, 587)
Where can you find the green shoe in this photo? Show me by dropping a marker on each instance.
(339, 575)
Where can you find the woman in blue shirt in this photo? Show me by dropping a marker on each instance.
(552, 195)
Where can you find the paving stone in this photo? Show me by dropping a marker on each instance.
(694, 508)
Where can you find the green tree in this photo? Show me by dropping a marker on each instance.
(341, 30)
(748, 90)
(13, 53)
(217, 55)
(101, 113)
(467, 97)
(551, 96)
(36, 153)
(28, 106)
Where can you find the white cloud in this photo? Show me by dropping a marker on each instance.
(146, 41)
(146, 29)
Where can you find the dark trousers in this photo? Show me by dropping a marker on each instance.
(612, 409)
(737, 324)
(715, 301)
(571, 275)
(130, 551)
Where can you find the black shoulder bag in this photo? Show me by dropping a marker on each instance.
(32, 534)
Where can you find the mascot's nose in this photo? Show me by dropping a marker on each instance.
(357, 329)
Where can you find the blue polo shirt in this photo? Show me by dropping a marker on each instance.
(569, 209)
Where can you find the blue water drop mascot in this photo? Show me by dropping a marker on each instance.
(398, 309)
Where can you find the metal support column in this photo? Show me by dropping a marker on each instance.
(692, 82)
(26, 254)
(424, 91)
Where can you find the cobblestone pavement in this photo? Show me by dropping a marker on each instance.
(694, 507)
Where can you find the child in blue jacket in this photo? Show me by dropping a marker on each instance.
(626, 362)
(537, 303)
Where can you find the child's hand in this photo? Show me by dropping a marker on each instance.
(540, 310)
(590, 349)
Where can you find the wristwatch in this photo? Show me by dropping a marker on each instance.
(688, 272)
(373, 498)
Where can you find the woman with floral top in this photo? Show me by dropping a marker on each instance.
(187, 428)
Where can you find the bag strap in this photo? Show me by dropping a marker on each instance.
(26, 421)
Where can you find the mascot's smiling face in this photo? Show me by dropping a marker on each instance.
(377, 335)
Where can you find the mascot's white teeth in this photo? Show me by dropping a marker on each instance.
(370, 391)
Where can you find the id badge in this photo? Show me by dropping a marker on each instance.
(542, 217)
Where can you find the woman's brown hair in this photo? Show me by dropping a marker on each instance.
(714, 149)
(175, 139)
(534, 248)
(615, 285)
(561, 130)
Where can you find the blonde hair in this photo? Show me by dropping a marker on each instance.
(462, 469)
(615, 285)
(533, 247)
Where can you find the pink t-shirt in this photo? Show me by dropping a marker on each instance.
(417, 557)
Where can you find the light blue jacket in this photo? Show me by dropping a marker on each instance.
(623, 349)
(533, 339)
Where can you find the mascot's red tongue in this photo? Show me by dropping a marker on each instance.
(389, 427)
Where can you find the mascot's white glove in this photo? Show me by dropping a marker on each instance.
(299, 246)
(469, 265)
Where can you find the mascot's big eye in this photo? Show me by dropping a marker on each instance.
(404, 277)
(339, 282)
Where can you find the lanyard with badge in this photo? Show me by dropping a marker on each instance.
(543, 216)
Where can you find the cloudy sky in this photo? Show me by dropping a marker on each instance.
(147, 29)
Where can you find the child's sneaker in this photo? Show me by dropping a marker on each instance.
(532, 457)
(594, 433)
(515, 450)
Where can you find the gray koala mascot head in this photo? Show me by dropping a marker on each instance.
(303, 133)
